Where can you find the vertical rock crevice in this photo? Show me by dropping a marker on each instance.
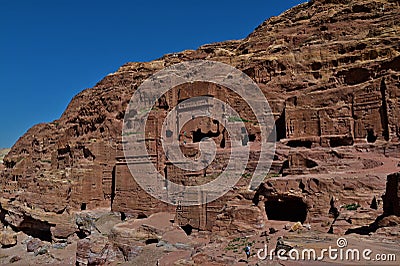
(280, 125)
(384, 111)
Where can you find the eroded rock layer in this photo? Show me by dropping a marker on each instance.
(331, 73)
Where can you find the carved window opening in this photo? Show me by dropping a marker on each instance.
(151, 241)
(198, 135)
(292, 209)
(300, 143)
(371, 137)
(188, 229)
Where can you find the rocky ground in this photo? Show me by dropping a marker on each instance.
(157, 240)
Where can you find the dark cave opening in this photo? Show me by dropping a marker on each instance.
(384, 111)
(113, 185)
(188, 229)
(81, 234)
(83, 206)
(285, 165)
(223, 143)
(341, 141)
(198, 135)
(286, 209)
(36, 229)
(165, 177)
(371, 137)
(280, 127)
(300, 143)
(30, 226)
(252, 137)
(311, 163)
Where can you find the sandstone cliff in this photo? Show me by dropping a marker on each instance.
(330, 70)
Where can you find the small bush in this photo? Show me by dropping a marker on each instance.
(352, 207)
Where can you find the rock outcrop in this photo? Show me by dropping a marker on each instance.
(331, 73)
(8, 238)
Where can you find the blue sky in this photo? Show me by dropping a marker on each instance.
(51, 50)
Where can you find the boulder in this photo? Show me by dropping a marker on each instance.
(33, 245)
(8, 239)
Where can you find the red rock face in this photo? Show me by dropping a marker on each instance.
(331, 73)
